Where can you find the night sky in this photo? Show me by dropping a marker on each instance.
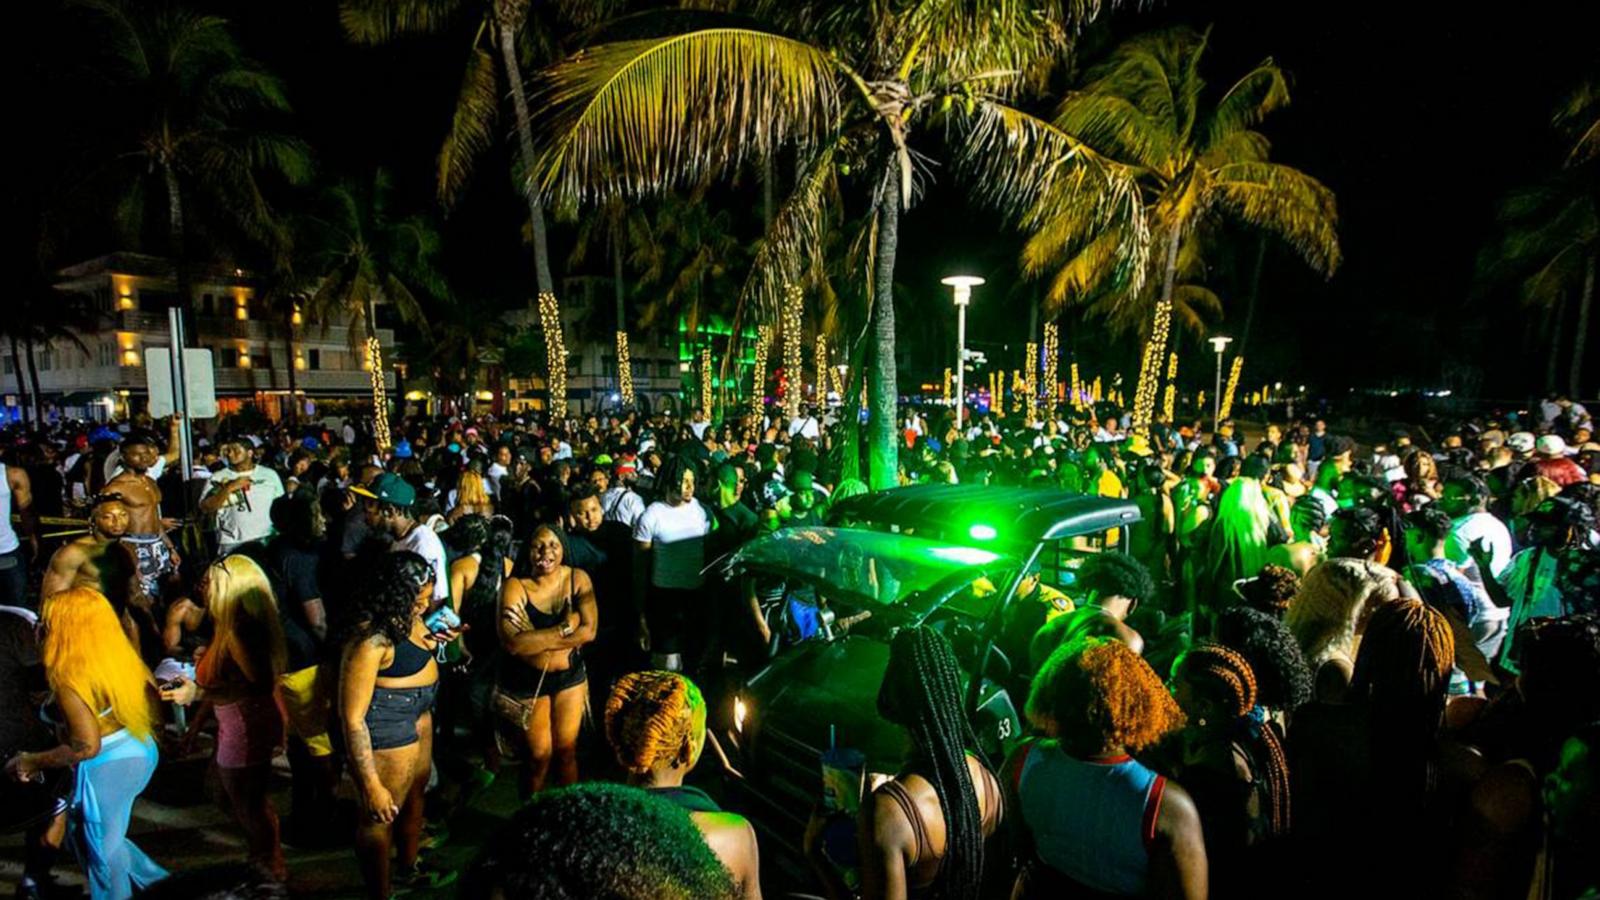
(1418, 115)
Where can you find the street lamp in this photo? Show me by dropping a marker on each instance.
(962, 285)
(1218, 343)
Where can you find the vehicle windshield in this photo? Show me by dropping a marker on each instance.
(868, 566)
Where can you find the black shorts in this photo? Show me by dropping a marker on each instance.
(393, 713)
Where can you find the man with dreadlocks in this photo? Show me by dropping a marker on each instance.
(1231, 759)
(922, 832)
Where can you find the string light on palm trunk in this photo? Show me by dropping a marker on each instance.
(380, 398)
(1233, 384)
(1051, 350)
(1169, 402)
(1077, 389)
(822, 366)
(792, 355)
(705, 379)
(1144, 397)
(758, 388)
(555, 349)
(624, 369)
(944, 393)
(1031, 382)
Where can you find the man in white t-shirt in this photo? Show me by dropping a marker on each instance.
(699, 423)
(240, 496)
(1465, 499)
(499, 469)
(621, 501)
(387, 508)
(805, 425)
(671, 541)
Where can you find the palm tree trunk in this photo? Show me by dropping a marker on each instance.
(1581, 336)
(1552, 330)
(519, 102)
(882, 384)
(24, 397)
(33, 376)
(1155, 351)
(288, 346)
(1255, 292)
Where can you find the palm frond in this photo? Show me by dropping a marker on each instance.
(471, 124)
(793, 240)
(380, 21)
(1579, 116)
(632, 118)
(1287, 202)
(1250, 99)
(950, 40)
(1117, 128)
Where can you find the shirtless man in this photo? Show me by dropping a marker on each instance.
(146, 534)
(101, 561)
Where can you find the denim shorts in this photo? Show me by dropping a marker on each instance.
(393, 713)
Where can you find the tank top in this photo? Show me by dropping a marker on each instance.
(1090, 821)
(516, 676)
(8, 534)
(409, 659)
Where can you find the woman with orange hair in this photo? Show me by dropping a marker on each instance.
(656, 724)
(1097, 820)
(239, 674)
(105, 707)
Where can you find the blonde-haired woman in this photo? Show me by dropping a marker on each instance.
(238, 675)
(104, 707)
(471, 497)
(656, 724)
(1328, 613)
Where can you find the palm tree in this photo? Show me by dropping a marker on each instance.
(1550, 238)
(360, 255)
(513, 30)
(187, 109)
(847, 91)
(1195, 160)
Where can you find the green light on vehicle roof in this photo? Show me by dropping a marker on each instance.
(965, 555)
(981, 532)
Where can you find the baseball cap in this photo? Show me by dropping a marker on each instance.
(402, 449)
(389, 488)
(627, 465)
(1551, 445)
(603, 459)
(1137, 444)
(774, 492)
(801, 480)
(1520, 441)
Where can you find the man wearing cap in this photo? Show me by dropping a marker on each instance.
(240, 495)
(387, 508)
(146, 535)
(803, 499)
(620, 502)
(1550, 461)
(1558, 575)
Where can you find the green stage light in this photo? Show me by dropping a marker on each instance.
(965, 555)
(981, 532)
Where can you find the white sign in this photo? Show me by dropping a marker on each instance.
(197, 374)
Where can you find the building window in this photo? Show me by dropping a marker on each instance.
(11, 365)
(208, 304)
(314, 359)
(260, 360)
(666, 370)
(229, 357)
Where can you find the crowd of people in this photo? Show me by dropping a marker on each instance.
(1317, 664)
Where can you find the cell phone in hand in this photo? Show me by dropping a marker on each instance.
(442, 619)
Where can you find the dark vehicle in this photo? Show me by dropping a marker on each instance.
(948, 556)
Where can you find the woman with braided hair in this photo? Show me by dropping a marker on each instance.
(1096, 821)
(922, 832)
(1231, 759)
(656, 725)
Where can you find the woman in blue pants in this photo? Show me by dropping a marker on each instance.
(105, 710)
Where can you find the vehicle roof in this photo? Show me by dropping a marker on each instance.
(872, 565)
(1017, 514)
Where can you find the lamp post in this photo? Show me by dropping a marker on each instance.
(1218, 343)
(962, 285)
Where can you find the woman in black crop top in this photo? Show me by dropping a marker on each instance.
(541, 690)
(387, 681)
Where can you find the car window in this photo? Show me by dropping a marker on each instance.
(866, 565)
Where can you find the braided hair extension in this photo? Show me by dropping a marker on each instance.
(1283, 680)
(1402, 673)
(922, 693)
(1225, 675)
(649, 716)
